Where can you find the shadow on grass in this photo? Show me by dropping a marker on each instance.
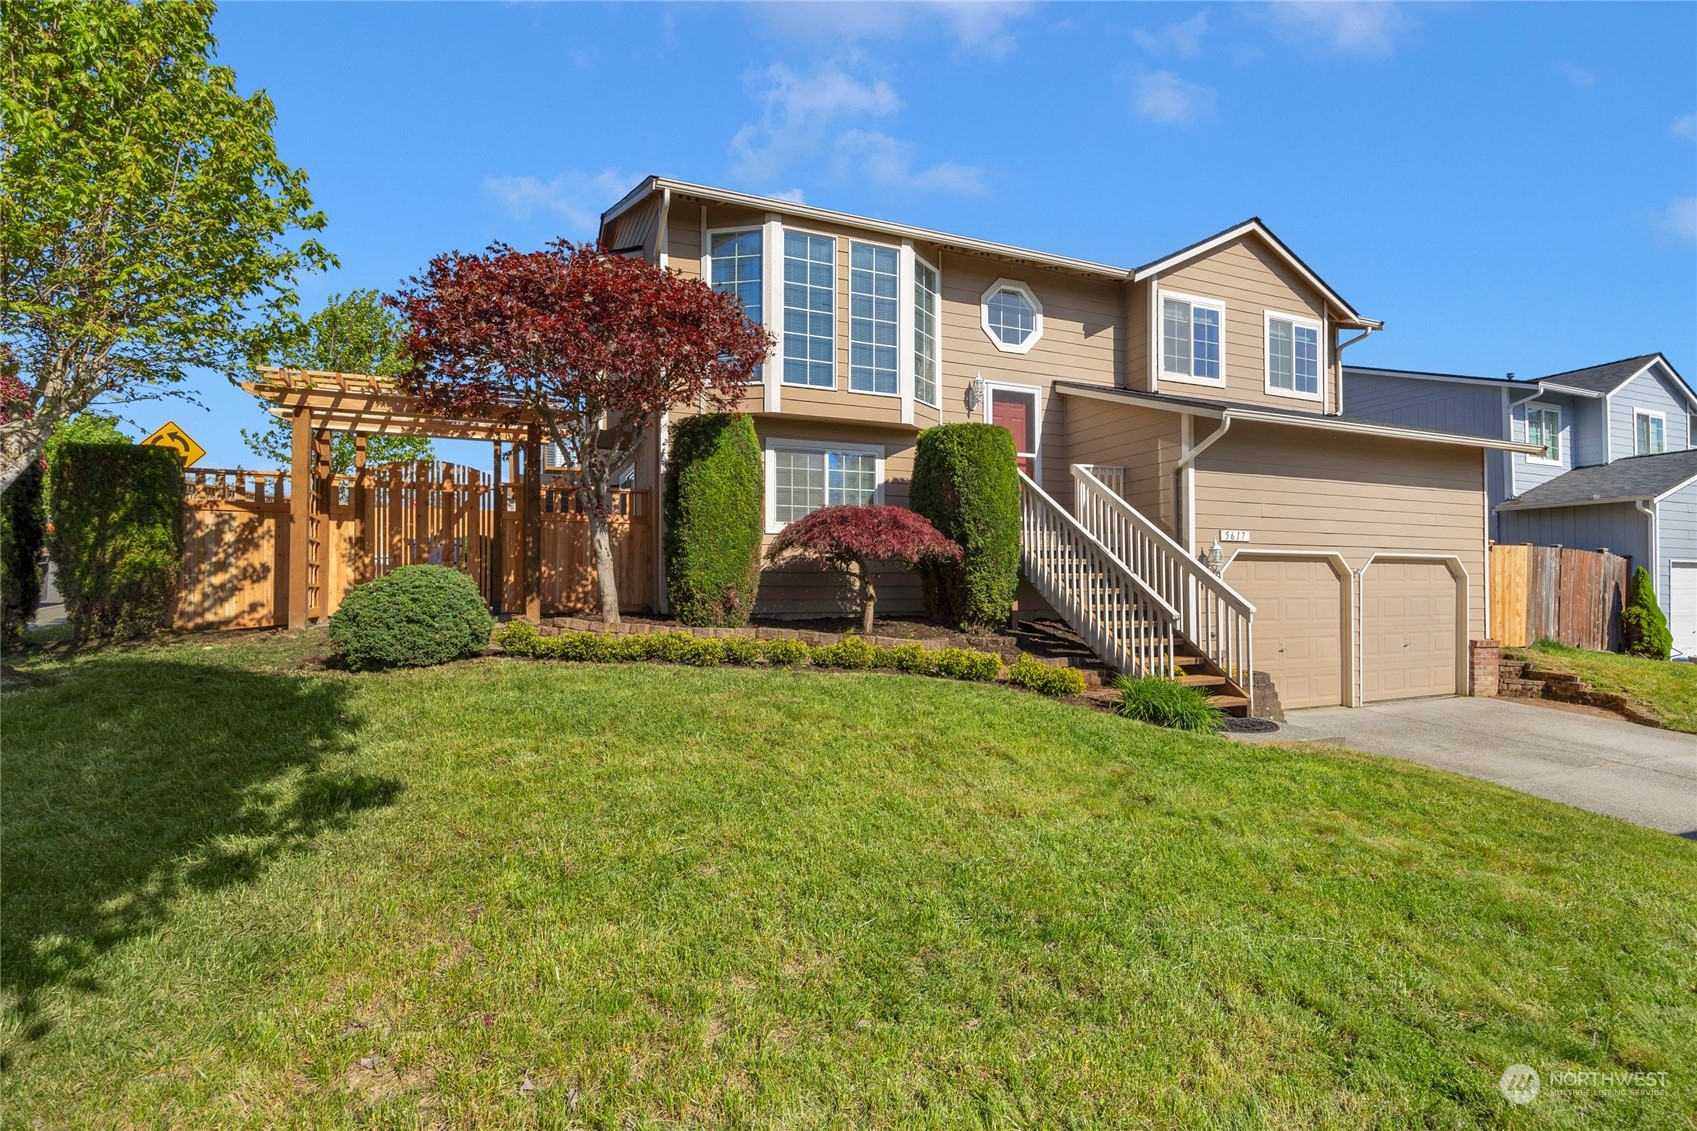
(134, 779)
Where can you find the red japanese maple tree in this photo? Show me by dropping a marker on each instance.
(849, 539)
(592, 345)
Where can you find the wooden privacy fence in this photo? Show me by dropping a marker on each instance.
(237, 529)
(1554, 593)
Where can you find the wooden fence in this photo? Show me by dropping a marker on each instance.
(237, 525)
(1554, 593)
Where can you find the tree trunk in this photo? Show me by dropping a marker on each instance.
(601, 538)
(868, 597)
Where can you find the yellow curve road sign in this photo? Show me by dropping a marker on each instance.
(168, 435)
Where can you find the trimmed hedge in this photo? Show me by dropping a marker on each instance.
(1642, 622)
(23, 532)
(411, 617)
(117, 536)
(714, 508)
(1034, 675)
(852, 653)
(965, 480)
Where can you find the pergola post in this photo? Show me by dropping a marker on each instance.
(498, 541)
(364, 499)
(320, 573)
(533, 522)
(300, 503)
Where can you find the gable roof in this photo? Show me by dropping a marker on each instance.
(1254, 226)
(1606, 378)
(1623, 481)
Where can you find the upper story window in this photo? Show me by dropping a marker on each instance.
(1650, 431)
(736, 268)
(1191, 338)
(1012, 316)
(1543, 426)
(810, 310)
(872, 319)
(926, 299)
(1293, 356)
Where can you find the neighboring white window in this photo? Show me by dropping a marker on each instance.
(1011, 316)
(872, 319)
(1192, 334)
(1293, 356)
(1543, 426)
(807, 476)
(735, 266)
(1651, 432)
(810, 310)
(926, 315)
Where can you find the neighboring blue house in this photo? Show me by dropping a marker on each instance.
(1619, 468)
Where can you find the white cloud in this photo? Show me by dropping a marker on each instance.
(793, 195)
(981, 28)
(1685, 126)
(798, 115)
(1679, 220)
(1368, 26)
(887, 162)
(1164, 97)
(1185, 36)
(1577, 75)
(577, 197)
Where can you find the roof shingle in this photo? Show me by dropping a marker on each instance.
(1635, 477)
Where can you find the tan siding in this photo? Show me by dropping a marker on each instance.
(1136, 374)
(683, 242)
(1351, 495)
(1250, 280)
(1144, 441)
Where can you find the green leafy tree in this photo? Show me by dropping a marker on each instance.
(1646, 629)
(355, 333)
(147, 224)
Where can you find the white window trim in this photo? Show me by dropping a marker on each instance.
(1161, 339)
(1526, 432)
(984, 314)
(772, 288)
(1267, 320)
(1036, 391)
(707, 237)
(839, 366)
(774, 444)
(936, 331)
(904, 374)
(1653, 415)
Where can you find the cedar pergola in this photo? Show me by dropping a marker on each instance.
(318, 404)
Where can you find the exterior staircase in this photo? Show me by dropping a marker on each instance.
(1135, 598)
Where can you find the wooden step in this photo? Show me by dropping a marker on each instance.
(1202, 679)
(1228, 702)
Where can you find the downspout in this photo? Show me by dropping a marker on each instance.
(1186, 467)
(1649, 512)
(663, 243)
(1338, 360)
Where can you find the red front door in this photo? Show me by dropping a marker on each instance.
(1017, 412)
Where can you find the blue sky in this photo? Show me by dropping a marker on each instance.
(1508, 186)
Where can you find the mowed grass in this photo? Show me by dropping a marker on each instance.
(511, 894)
(1664, 688)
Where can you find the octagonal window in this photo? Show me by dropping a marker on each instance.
(1012, 316)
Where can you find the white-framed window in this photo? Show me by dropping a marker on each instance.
(873, 324)
(805, 475)
(1650, 432)
(1293, 356)
(1543, 426)
(810, 309)
(1192, 339)
(736, 266)
(1011, 316)
(927, 316)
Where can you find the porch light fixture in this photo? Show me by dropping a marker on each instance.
(1217, 558)
(975, 394)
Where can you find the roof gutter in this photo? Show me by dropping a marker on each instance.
(1189, 457)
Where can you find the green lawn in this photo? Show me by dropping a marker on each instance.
(240, 892)
(1664, 688)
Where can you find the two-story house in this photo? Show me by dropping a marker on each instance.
(1616, 465)
(1181, 412)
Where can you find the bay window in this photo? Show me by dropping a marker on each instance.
(872, 319)
(810, 310)
(926, 295)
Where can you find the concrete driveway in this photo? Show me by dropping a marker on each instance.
(1609, 766)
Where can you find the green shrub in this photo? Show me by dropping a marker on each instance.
(117, 536)
(1167, 703)
(741, 650)
(914, 659)
(1034, 675)
(964, 663)
(411, 617)
(23, 531)
(851, 652)
(787, 652)
(1642, 622)
(965, 481)
(518, 637)
(714, 509)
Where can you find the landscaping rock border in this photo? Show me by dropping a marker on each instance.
(1518, 679)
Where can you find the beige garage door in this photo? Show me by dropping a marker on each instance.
(1298, 626)
(1408, 631)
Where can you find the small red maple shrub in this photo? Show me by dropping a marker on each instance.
(849, 539)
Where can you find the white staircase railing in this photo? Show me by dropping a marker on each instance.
(1212, 615)
(1123, 621)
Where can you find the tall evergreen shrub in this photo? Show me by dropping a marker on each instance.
(1645, 627)
(965, 481)
(117, 536)
(715, 517)
(23, 530)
